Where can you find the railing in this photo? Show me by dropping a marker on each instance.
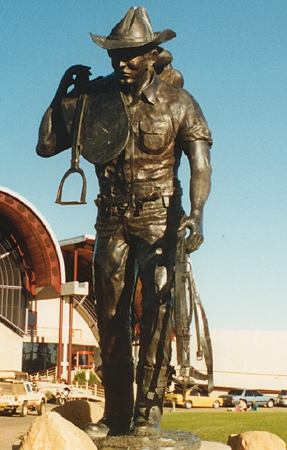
(49, 374)
(88, 391)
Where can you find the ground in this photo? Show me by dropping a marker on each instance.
(15, 426)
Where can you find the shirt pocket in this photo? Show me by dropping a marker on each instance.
(154, 136)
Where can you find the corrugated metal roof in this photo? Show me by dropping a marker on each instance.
(39, 242)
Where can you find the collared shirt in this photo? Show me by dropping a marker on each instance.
(162, 121)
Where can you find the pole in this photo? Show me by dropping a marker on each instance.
(60, 340)
(70, 342)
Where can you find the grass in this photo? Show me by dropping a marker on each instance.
(218, 425)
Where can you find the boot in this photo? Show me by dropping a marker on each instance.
(148, 408)
(147, 421)
(121, 395)
(152, 371)
(113, 423)
(98, 429)
(102, 427)
(119, 401)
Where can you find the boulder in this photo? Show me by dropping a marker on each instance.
(81, 412)
(256, 440)
(51, 431)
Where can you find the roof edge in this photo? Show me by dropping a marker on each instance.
(46, 225)
(76, 240)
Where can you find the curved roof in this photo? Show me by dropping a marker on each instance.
(38, 241)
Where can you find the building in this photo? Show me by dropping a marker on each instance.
(44, 324)
(252, 359)
(47, 316)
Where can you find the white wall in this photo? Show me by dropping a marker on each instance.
(254, 359)
(48, 323)
(250, 358)
(10, 349)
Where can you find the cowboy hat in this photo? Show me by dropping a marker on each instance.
(134, 30)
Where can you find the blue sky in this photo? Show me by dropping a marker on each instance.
(233, 57)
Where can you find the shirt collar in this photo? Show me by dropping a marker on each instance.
(150, 90)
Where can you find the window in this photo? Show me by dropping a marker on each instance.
(13, 295)
(250, 393)
(32, 321)
(258, 394)
(235, 392)
(28, 387)
(38, 356)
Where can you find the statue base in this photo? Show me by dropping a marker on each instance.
(168, 440)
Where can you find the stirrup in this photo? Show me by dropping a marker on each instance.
(82, 200)
(75, 161)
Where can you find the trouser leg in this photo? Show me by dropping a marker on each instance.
(155, 338)
(114, 275)
(152, 374)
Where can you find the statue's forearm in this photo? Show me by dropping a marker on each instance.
(200, 174)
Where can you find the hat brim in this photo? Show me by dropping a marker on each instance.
(110, 43)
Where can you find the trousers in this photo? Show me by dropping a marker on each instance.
(132, 244)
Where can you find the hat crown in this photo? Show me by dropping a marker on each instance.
(135, 26)
(134, 30)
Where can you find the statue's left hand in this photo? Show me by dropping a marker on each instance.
(195, 238)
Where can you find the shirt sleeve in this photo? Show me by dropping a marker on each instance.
(193, 125)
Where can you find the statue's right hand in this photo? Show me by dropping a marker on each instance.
(76, 75)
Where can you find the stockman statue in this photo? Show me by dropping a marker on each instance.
(134, 126)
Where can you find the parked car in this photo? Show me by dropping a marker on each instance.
(249, 396)
(282, 398)
(19, 396)
(191, 398)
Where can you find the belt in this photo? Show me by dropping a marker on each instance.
(126, 199)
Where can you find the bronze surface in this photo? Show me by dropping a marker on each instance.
(137, 125)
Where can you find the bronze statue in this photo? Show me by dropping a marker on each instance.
(134, 130)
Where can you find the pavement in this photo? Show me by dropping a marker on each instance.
(13, 427)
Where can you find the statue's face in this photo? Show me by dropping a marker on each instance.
(131, 67)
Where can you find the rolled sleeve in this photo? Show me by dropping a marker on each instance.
(193, 126)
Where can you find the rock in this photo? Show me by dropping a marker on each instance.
(256, 440)
(52, 432)
(81, 412)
